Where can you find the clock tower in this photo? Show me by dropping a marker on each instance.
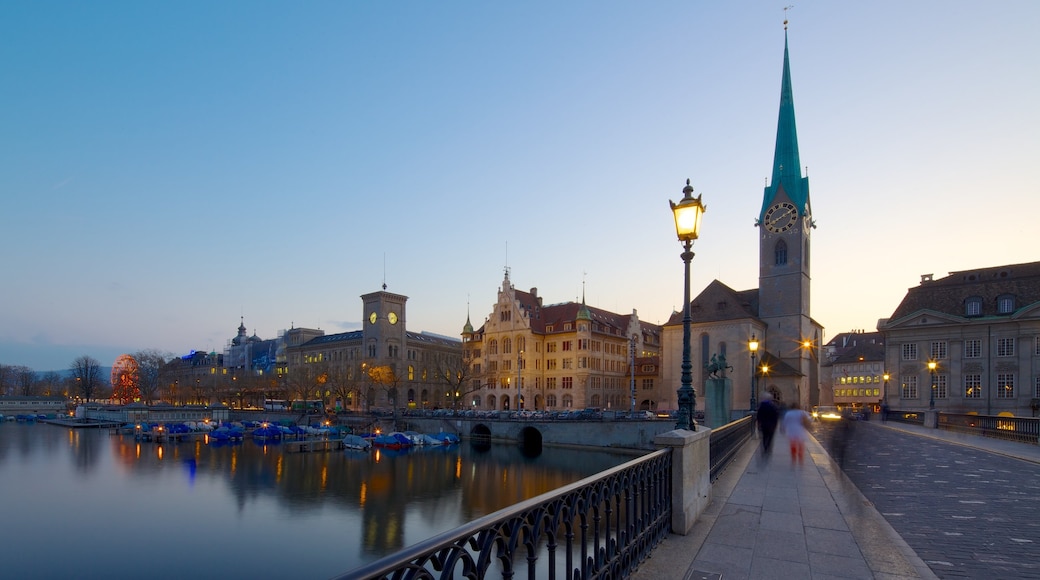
(384, 325)
(785, 224)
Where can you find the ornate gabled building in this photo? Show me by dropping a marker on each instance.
(381, 366)
(777, 312)
(981, 329)
(560, 356)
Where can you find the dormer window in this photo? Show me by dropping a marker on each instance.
(1005, 304)
(973, 306)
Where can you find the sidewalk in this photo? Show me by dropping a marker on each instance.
(771, 520)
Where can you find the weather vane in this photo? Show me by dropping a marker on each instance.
(786, 8)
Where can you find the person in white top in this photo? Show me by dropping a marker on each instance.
(795, 424)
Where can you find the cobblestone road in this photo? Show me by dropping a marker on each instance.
(968, 513)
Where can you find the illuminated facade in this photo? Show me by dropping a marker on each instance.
(377, 366)
(565, 356)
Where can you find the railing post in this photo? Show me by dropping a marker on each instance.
(691, 475)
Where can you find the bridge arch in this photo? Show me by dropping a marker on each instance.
(531, 441)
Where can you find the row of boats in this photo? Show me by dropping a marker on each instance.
(271, 432)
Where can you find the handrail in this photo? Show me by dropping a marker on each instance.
(604, 525)
(726, 441)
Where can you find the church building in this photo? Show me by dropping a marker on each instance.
(776, 315)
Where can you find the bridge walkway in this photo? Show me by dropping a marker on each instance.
(767, 519)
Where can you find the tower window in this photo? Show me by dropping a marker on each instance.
(780, 253)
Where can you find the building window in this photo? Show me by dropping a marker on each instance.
(938, 349)
(492, 366)
(568, 363)
(583, 362)
(411, 373)
(492, 347)
(973, 306)
(583, 344)
(780, 253)
(567, 345)
(507, 346)
(909, 387)
(973, 348)
(1036, 346)
(973, 386)
(648, 384)
(941, 390)
(567, 383)
(1036, 387)
(1005, 347)
(1005, 304)
(567, 327)
(1005, 386)
(550, 401)
(568, 401)
(550, 347)
(910, 351)
(491, 402)
(505, 315)
(550, 364)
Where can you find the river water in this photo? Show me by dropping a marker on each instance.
(83, 503)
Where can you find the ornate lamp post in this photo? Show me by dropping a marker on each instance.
(931, 395)
(687, 214)
(752, 347)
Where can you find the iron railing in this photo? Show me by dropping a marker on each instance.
(600, 527)
(1024, 429)
(726, 441)
(911, 417)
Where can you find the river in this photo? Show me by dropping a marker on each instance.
(85, 503)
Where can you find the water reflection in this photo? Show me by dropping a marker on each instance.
(335, 510)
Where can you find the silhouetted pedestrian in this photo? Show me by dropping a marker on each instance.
(767, 417)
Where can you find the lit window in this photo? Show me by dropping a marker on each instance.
(1005, 386)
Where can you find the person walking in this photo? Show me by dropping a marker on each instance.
(767, 416)
(795, 424)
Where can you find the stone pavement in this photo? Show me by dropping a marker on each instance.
(769, 519)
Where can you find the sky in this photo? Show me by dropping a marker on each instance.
(168, 170)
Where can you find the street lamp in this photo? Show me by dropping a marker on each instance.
(687, 214)
(885, 376)
(752, 346)
(931, 395)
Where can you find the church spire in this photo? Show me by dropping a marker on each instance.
(787, 167)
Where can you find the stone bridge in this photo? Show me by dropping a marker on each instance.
(532, 434)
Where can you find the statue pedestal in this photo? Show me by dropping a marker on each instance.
(717, 402)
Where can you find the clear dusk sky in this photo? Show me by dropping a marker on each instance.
(167, 168)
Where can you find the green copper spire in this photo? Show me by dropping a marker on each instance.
(787, 167)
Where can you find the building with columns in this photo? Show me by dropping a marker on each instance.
(560, 356)
(968, 342)
(777, 313)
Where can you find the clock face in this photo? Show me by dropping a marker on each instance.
(392, 317)
(781, 217)
(372, 317)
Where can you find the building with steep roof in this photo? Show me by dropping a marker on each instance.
(981, 328)
(776, 313)
(560, 356)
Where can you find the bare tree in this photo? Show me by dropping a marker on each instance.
(458, 375)
(385, 377)
(86, 371)
(52, 385)
(6, 379)
(150, 369)
(24, 380)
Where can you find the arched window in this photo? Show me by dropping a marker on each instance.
(520, 343)
(568, 401)
(595, 401)
(493, 346)
(476, 400)
(780, 253)
(491, 402)
(507, 346)
(411, 373)
(550, 401)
